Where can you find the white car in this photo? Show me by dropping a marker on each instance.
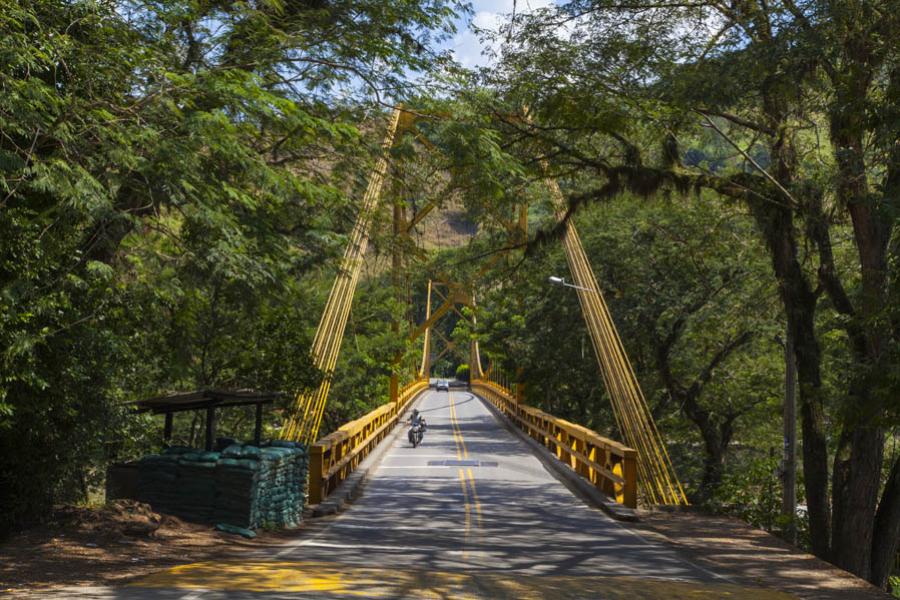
(442, 384)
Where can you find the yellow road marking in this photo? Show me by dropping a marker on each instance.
(453, 425)
(463, 478)
(475, 496)
(465, 491)
(456, 439)
(354, 581)
(457, 431)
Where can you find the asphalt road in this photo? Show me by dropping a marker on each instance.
(470, 513)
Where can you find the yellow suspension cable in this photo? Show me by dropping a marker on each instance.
(425, 370)
(304, 422)
(659, 482)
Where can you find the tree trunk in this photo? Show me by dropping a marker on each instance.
(715, 442)
(886, 538)
(776, 220)
(715, 438)
(713, 469)
(799, 302)
(887, 529)
(857, 470)
(858, 462)
(192, 437)
(812, 425)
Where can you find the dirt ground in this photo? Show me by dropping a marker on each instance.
(111, 545)
(749, 556)
(127, 540)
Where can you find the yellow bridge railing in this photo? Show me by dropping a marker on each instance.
(607, 464)
(334, 457)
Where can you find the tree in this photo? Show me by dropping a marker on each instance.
(675, 274)
(165, 180)
(801, 86)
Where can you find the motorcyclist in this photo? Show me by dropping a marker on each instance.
(417, 419)
(417, 428)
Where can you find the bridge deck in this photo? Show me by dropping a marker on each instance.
(469, 513)
(474, 497)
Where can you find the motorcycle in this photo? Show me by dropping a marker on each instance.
(416, 433)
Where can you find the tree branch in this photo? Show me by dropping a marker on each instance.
(749, 159)
(717, 359)
(737, 120)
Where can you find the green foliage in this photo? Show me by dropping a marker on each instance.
(176, 178)
(165, 191)
(752, 491)
(788, 111)
(894, 583)
(676, 275)
(367, 360)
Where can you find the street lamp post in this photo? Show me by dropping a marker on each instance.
(561, 281)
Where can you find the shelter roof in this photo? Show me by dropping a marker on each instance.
(201, 399)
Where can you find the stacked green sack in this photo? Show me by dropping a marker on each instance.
(180, 481)
(196, 486)
(157, 479)
(262, 487)
(237, 486)
(281, 485)
(244, 486)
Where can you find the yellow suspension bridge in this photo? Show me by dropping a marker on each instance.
(656, 477)
(485, 507)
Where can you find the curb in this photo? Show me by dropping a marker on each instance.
(351, 488)
(574, 482)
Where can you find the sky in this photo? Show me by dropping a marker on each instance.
(486, 14)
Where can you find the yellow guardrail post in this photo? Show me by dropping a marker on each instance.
(334, 457)
(629, 495)
(610, 466)
(316, 472)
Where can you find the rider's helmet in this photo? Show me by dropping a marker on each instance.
(415, 412)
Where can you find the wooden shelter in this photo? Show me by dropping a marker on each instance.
(209, 401)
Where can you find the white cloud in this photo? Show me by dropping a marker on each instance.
(488, 20)
(467, 47)
(506, 6)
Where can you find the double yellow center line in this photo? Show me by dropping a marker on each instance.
(461, 451)
(466, 477)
